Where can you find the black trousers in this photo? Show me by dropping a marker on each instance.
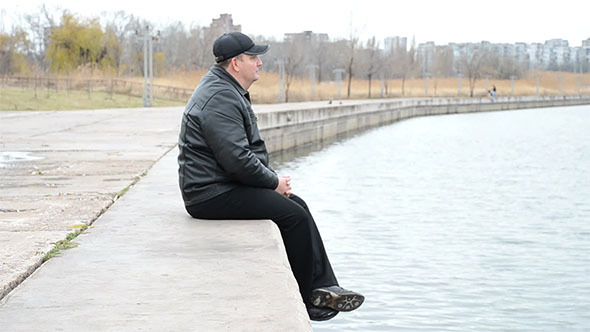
(302, 240)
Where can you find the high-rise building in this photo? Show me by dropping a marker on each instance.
(223, 24)
(586, 48)
(307, 35)
(392, 44)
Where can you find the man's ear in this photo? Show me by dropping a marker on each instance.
(234, 64)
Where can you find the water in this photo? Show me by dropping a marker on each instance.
(476, 222)
(8, 158)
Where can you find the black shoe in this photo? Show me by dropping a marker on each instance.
(319, 314)
(337, 298)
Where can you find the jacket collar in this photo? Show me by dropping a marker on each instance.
(223, 74)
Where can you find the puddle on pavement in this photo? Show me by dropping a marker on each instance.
(11, 157)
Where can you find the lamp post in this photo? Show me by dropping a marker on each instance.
(281, 64)
(148, 65)
(338, 73)
(382, 77)
(145, 65)
(312, 79)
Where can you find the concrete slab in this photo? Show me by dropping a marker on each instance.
(147, 265)
(63, 169)
(21, 253)
(51, 213)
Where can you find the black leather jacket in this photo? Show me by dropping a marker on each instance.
(220, 146)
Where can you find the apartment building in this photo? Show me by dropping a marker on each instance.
(554, 54)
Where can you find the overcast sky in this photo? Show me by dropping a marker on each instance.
(447, 21)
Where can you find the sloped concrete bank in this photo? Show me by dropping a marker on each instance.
(292, 125)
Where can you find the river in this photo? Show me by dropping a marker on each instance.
(469, 222)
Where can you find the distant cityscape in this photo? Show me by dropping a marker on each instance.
(553, 55)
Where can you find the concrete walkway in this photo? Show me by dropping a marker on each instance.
(146, 265)
(60, 170)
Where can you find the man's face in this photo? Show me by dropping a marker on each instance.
(249, 65)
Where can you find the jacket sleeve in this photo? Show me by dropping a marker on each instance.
(224, 131)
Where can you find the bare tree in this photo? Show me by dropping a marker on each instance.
(443, 64)
(206, 46)
(507, 67)
(132, 54)
(471, 63)
(173, 43)
(352, 43)
(374, 60)
(403, 65)
(197, 56)
(320, 56)
(292, 53)
(119, 28)
(39, 27)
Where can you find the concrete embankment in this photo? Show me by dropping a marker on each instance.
(288, 126)
(145, 264)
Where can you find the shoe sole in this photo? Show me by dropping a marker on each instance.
(340, 302)
(323, 318)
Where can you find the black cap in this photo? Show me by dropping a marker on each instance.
(235, 43)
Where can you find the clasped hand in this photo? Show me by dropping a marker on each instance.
(284, 187)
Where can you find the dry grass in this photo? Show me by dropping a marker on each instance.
(177, 79)
(266, 90)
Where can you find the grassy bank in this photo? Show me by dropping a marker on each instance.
(18, 99)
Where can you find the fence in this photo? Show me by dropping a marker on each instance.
(268, 90)
(109, 86)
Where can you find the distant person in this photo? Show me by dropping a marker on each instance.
(224, 173)
(493, 92)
